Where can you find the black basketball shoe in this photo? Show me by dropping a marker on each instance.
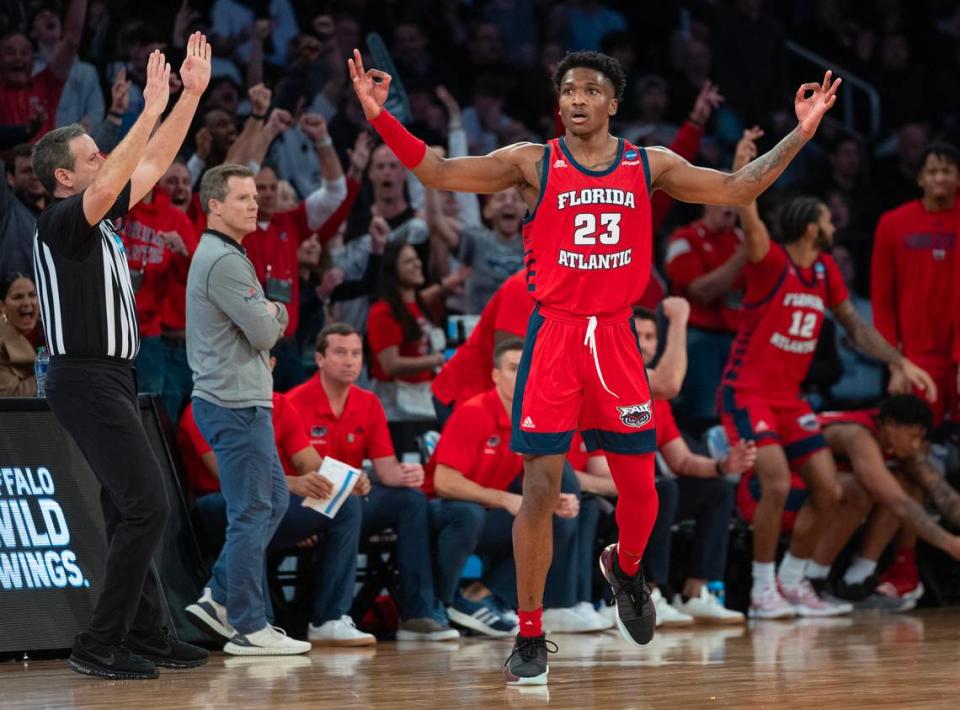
(636, 615)
(109, 661)
(166, 651)
(527, 664)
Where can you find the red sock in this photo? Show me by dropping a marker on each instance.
(531, 622)
(637, 505)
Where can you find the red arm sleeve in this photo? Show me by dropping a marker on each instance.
(328, 230)
(686, 145)
(883, 281)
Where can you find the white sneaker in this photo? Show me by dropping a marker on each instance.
(807, 602)
(566, 621)
(767, 603)
(268, 641)
(212, 615)
(608, 612)
(597, 620)
(339, 632)
(666, 615)
(707, 609)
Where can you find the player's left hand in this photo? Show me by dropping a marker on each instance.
(810, 109)
(411, 475)
(916, 378)
(195, 70)
(741, 457)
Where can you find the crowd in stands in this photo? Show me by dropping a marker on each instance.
(407, 306)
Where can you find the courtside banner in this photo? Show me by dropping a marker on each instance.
(52, 541)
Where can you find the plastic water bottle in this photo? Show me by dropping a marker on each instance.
(40, 367)
(718, 590)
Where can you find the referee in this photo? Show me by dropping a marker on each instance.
(90, 322)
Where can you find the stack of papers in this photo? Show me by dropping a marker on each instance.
(343, 477)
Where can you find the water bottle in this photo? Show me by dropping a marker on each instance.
(40, 368)
(717, 443)
(718, 590)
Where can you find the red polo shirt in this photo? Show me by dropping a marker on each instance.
(384, 330)
(359, 432)
(15, 102)
(287, 433)
(692, 251)
(476, 442)
(468, 372)
(667, 429)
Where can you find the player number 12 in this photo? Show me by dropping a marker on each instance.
(585, 225)
(803, 324)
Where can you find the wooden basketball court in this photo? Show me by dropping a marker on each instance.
(906, 661)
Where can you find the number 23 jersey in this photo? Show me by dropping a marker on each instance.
(589, 242)
(783, 312)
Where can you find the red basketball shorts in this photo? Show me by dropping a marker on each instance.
(582, 374)
(789, 423)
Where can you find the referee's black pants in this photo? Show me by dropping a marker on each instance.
(95, 400)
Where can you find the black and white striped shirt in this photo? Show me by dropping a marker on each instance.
(83, 283)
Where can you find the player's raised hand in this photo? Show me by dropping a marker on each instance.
(156, 93)
(195, 70)
(811, 108)
(918, 378)
(746, 149)
(371, 86)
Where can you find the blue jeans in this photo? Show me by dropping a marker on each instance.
(177, 377)
(456, 526)
(149, 364)
(334, 557)
(404, 510)
(253, 485)
(707, 351)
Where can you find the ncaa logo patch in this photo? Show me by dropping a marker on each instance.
(630, 155)
(636, 415)
(318, 431)
(808, 422)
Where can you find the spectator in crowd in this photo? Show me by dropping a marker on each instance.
(398, 332)
(21, 199)
(863, 443)
(158, 241)
(914, 250)
(81, 100)
(348, 424)
(230, 328)
(232, 26)
(484, 119)
(896, 175)
(704, 262)
(20, 89)
(491, 253)
(582, 24)
(467, 373)
(213, 141)
(136, 40)
(19, 336)
(176, 183)
(335, 541)
(477, 481)
(847, 178)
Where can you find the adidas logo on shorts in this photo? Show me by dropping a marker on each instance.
(528, 423)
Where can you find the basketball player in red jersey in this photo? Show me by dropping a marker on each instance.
(588, 242)
(789, 287)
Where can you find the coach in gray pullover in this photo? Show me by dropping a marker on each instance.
(230, 330)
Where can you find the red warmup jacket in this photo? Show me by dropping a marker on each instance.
(912, 279)
(153, 265)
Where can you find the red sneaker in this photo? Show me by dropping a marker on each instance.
(901, 579)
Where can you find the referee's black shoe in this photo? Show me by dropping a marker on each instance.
(166, 651)
(109, 661)
(527, 664)
(636, 615)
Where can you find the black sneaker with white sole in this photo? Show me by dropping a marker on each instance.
(527, 664)
(109, 661)
(167, 651)
(636, 614)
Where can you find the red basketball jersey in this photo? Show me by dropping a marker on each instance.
(589, 241)
(783, 312)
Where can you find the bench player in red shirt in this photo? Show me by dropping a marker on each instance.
(588, 241)
(789, 287)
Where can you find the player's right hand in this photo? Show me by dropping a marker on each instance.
(156, 93)
(371, 86)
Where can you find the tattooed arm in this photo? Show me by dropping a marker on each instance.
(683, 181)
(869, 341)
(945, 497)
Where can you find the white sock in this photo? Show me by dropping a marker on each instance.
(817, 571)
(859, 570)
(763, 576)
(791, 570)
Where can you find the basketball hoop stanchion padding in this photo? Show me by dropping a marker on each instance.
(52, 542)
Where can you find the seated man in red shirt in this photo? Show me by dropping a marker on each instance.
(884, 449)
(477, 481)
(348, 423)
(336, 540)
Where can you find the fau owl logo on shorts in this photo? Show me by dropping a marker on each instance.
(636, 415)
